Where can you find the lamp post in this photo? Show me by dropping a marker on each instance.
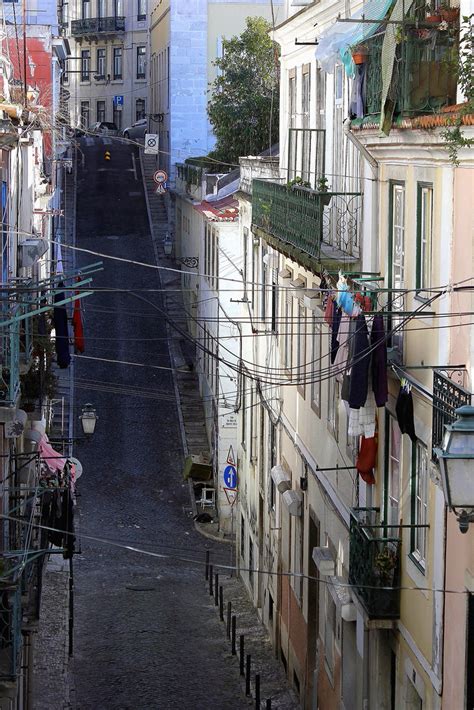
(456, 461)
(88, 419)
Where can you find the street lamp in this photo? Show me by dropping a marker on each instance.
(456, 460)
(88, 419)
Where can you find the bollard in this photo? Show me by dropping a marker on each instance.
(221, 603)
(257, 691)
(234, 624)
(242, 654)
(207, 565)
(247, 673)
(211, 577)
(216, 589)
(268, 704)
(229, 613)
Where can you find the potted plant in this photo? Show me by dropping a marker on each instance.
(298, 182)
(359, 53)
(323, 187)
(385, 563)
(433, 15)
(448, 14)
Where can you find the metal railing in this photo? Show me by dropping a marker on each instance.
(447, 397)
(97, 25)
(306, 219)
(374, 564)
(423, 79)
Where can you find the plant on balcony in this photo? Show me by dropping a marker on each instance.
(298, 182)
(385, 563)
(265, 208)
(448, 14)
(359, 53)
(433, 15)
(322, 187)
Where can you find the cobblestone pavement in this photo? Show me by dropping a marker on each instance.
(146, 632)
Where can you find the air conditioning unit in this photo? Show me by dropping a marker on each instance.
(293, 502)
(324, 561)
(280, 478)
(30, 251)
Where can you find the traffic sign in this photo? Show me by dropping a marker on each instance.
(160, 176)
(231, 496)
(161, 189)
(230, 477)
(118, 101)
(151, 143)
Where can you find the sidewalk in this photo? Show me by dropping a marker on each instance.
(273, 682)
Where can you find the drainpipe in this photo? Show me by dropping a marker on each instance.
(375, 194)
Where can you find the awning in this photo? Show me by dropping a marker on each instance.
(226, 210)
(334, 44)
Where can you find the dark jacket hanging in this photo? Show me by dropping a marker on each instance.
(404, 411)
(378, 345)
(335, 323)
(360, 365)
(62, 332)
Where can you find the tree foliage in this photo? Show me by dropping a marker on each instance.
(243, 108)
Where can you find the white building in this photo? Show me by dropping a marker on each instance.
(107, 71)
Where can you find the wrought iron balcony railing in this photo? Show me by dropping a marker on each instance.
(16, 351)
(97, 25)
(374, 564)
(424, 79)
(320, 224)
(448, 395)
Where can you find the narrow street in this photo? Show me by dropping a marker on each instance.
(146, 633)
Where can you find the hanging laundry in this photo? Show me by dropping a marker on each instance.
(62, 332)
(78, 327)
(404, 411)
(362, 419)
(360, 365)
(335, 323)
(345, 300)
(367, 458)
(378, 346)
(329, 310)
(342, 355)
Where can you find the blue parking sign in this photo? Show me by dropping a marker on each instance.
(118, 100)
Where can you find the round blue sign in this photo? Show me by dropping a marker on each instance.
(230, 477)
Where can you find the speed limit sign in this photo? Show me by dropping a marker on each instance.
(151, 143)
(160, 176)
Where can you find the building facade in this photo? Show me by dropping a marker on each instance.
(108, 68)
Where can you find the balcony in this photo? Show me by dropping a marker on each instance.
(16, 352)
(448, 395)
(374, 565)
(308, 225)
(10, 632)
(97, 26)
(423, 79)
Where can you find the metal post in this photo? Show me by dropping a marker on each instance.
(229, 614)
(216, 590)
(248, 660)
(242, 653)
(207, 565)
(234, 625)
(257, 691)
(221, 603)
(211, 579)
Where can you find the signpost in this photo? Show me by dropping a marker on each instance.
(160, 176)
(118, 102)
(151, 144)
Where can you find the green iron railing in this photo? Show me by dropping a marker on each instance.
(374, 564)
(306, 219)
(97, 25)
(423, 78)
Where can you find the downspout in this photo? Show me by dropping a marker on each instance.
(360, 147)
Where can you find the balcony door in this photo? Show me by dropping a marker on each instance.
(393, 463)
(397, 261)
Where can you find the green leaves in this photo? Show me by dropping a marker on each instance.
(243, 107)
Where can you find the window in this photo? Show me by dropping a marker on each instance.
(273, 458)
(397, 258)
(101, 110)
(250, 561)
(243, 410)
(85, 64)
(338, 83)
(263, 289)
(292, 98)
(419, 503)
(141, 9)
(305, 110)
(118, 7)
(288, 325)
(242, 537)
(141, 61)
(85, 115)
(316, 365)
(393, 473)
(245, 259)
(320, 99)
(101, 63)
(424, 230)
(117, 116)
(274, 300)
(139, 109)
(297, 557)
(118, 53)
(333, 408)
(301, 349)
(329, 632)
(4, 241)
(86, 9)
(101, 8)
(252, 452)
